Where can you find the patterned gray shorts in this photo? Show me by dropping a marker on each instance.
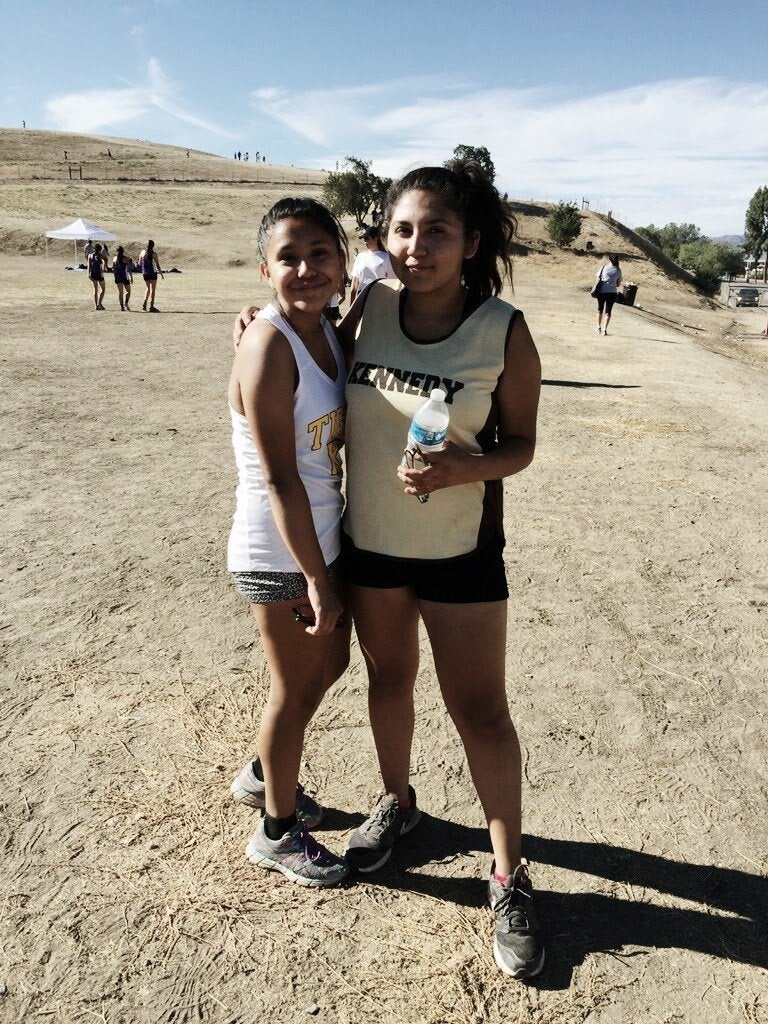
(259, 587)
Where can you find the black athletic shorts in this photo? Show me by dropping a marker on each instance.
(605, 300)
(466, 579)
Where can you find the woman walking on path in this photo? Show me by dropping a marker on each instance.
(149, 265)
(607, 281)
(449, 237)
(286, 397)
(96, 264)
(123, 277)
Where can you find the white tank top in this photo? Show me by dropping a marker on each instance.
(319, 408)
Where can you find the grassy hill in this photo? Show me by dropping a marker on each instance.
(189, 204)
(204, 208)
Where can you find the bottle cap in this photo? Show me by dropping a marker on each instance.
(437, 395)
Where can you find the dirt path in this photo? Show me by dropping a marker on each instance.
(637, 650)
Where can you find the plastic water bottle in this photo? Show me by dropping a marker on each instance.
(427, 431)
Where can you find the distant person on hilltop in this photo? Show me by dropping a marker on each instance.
(96, 264)
(123, 277)
(607, 281)
(149, 265)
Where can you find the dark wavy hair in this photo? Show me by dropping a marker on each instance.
(303, 209)
(466, 189)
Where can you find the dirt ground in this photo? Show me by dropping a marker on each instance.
(133, 682)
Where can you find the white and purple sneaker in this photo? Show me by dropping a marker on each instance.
(298, 856)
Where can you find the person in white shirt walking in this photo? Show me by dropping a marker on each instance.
(608, 278)
(371, 265)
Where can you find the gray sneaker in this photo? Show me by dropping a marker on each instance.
(248, 790)
(370, 846)
(298, 856)
(517, 947)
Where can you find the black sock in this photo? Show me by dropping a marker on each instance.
(258, 771)
(275, 828)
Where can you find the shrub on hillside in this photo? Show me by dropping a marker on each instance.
(563, 224)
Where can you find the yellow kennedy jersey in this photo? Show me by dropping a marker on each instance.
(391, 376)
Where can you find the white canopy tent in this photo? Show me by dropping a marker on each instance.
(78, 231)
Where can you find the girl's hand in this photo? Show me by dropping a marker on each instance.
(326, 606)
(244, 317)
(447, 468)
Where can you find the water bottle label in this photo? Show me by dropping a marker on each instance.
(428, 438)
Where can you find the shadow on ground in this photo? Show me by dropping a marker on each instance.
(586, 384)
(732, 921)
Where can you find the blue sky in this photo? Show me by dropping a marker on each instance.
(656, 111)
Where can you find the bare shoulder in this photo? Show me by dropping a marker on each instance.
(262, 341)
(520, 346)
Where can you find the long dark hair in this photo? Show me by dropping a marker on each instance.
(303, 209)
(466, 189)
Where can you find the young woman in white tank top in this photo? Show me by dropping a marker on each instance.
(286, 397)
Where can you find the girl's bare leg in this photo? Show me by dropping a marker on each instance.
(387, 623)
(301, 667)
(468, 642)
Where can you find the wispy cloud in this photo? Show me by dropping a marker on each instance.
(95, 110)
(689, 149)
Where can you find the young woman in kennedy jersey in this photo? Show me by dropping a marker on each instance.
(448, 236)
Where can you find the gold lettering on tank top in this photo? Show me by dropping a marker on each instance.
(333, 437)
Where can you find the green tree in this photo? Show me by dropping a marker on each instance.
(756, 226)
(710, 261)
(652, 234)
(477, 155)
(563, 224)
(355, 190)
(670, 237)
